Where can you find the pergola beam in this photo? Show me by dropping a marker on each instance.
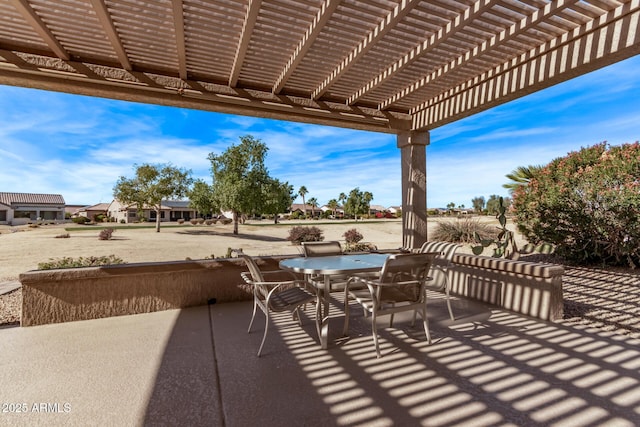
(383, 27)
(72, 77)
(323, 15)
(253, 9)
(606, 40)
(112, 34)
(41, 28)
(492, 44)
(178, 23)
(435, 40)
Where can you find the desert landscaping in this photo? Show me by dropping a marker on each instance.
(606, 299)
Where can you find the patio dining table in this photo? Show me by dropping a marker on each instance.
(328, 266)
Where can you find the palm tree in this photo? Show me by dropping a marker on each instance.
(342, 198)
(314, 204)
(367, 198)
(521, 176)
(333, 204)
(303, 192)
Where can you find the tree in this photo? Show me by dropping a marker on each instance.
(333, 205)
(342, 198)
(278, 197)
(478, 203)
(314, 204)
(493, 204)
(239, 177)
(358, 202)
(303, 192)
(586, 204)
(450, 206)
(521, 176)
(151, 185)
(201, 198)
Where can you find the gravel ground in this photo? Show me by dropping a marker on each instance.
(10, 308)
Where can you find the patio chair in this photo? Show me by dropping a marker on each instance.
(317, 249)
(274, 296)
(400, 287)
(439, 267)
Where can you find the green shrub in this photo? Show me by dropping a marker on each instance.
(462, 231)
(80, 220)
(301, 234)
(68, 262)
(586, 204)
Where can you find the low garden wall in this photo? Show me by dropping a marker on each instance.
(54, 296)
(528, 288)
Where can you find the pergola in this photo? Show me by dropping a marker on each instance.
(397, 66)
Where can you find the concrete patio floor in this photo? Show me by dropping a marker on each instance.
(198, 366)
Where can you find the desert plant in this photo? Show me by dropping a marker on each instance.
(68, 262)
(80, 220)
(586, 204)
(352, 236)
(504, 243)
(180, 221)
(105, 234)
(301, 234)
(194, 221)
(461, 230)
(63, 236)
(208, 221)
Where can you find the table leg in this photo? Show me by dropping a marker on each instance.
(323, 313)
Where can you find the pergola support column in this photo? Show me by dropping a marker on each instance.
(413, 151)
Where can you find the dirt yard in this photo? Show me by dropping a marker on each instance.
(23, 247)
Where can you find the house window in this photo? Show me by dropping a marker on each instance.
(3, 215)
(132, 214)
(25, 214)
(49, 215)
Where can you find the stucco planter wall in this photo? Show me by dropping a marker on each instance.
(524, 287)
(53, 296)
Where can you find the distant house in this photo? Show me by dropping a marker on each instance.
(375, 209)
(171, 210)
(24, 208)
(93, 211)
(303, 209)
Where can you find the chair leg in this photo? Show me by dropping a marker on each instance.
(425, 322)
(253, 315)
(345, 328)
(446, 291)
(374, 332)
(266, 328)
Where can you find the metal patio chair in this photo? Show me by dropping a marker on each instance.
(400, 287)
(275, 295)
(439, 268)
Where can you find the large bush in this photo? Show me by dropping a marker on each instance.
(587, 204)
(462, 230)
(301, 234)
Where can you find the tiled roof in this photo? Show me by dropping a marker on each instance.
(31, 198)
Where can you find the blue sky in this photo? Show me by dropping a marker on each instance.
(79, 146)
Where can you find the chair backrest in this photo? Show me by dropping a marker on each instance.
(446, 249)
(254, 270)
(313, 249)
(403, 267)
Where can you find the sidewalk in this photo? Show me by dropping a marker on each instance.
(198, 366)
(6, 287)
